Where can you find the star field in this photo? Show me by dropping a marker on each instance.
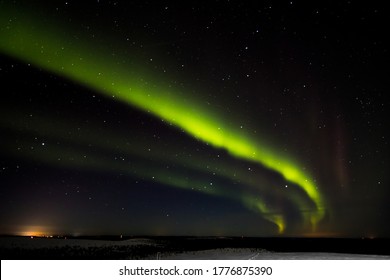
(191, 119)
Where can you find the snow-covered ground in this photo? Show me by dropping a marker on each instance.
(215, 254)
(138, 248)
(249, 254)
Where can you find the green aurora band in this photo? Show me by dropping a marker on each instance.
(55, 50)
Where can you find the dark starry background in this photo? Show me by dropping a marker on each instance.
(310, 76)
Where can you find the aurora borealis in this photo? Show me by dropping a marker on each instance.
(181, 119)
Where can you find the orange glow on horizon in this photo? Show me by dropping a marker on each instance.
(34, 231)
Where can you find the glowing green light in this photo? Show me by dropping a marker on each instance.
(56, 51)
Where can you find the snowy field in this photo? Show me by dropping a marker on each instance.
(143, 248)
(248, 254)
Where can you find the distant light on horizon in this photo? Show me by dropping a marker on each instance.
(35, 231)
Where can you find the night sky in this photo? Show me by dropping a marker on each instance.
(221, 118)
